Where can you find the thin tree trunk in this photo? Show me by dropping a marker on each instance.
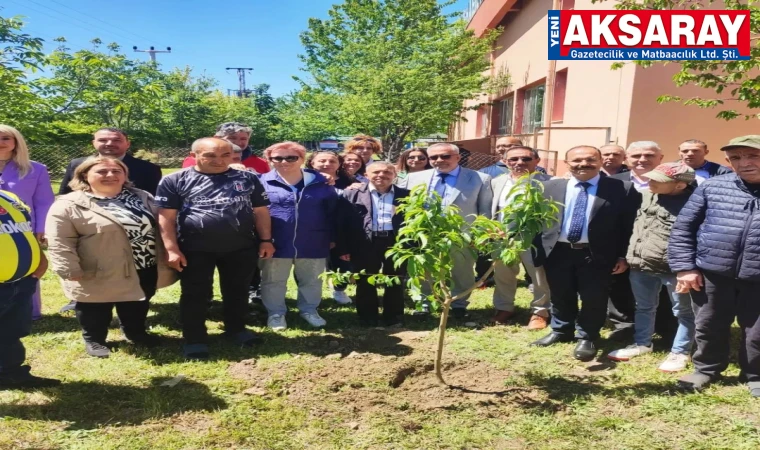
(441, 337)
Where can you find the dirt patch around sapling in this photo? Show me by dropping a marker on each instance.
(360, 377)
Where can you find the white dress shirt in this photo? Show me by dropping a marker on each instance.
(571, 194)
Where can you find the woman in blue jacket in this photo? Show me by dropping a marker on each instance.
(302, 207)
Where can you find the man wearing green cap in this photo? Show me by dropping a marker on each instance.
(670, 186)
(715, 251)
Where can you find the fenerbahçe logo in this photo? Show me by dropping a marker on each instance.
(649, 35)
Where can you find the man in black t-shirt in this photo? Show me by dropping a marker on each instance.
(211, 217)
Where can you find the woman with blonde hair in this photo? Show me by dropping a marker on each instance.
(364, 146)
(105, 246)
(30, 181)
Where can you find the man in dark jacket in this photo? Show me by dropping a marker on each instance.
(584, 247)
(693, 153)
(714, 249)
(371, 230)
(114, 143)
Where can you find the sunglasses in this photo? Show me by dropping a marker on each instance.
(520, 158)
(437, 157)
(422, 158)
(280, 159)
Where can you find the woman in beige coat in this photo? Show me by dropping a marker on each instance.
(103, 242)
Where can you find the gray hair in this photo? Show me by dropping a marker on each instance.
(229, 128)
(640, 145)
(383, 163)
(236, 148)
(522, 147)
(452, 147)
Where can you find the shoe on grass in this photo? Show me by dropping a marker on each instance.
(68, 307)
(632, 351)
(341, 298)
(277, 322)
(28, 382)
(754, 388)
(97, 349)
(198, 352)
(675, 362)
(314, 319)
(694, 382)
(145, 340)
(246, 338)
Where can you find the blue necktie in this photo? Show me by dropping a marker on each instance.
(441, 187)
(578, 219)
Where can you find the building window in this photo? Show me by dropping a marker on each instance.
(505, 108)
(560, 87)
(533, 109)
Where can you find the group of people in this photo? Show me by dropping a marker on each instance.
(630, 231)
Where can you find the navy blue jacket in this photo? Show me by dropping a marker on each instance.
(302, 226)
(715, 169)
(718, 230)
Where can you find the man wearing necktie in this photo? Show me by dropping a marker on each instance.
(467, 189)
(584, 248)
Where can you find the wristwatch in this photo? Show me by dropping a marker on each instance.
(271, 241)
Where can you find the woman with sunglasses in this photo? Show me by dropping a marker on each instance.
(302, 207)
(410, 161)
(354, 166)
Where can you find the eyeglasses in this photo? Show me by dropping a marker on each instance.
(364, 148)
(421, 157)
(520, 158)
(280, 159)
(437, 157)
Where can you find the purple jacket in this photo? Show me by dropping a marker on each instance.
(34, 190)
(301, 227)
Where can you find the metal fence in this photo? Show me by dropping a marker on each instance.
(57, 157)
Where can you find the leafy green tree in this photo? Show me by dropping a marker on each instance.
(19, 53)
(432, 232)
(104, 88)
(734, 82)
(396, 69)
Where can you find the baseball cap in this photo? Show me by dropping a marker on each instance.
(751, 141)
(674, 171)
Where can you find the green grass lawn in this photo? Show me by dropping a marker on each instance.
(347, 387)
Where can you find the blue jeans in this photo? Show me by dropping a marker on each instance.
(646, 288)
(15, 323)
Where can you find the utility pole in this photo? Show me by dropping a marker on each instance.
(241, 79)
(152, 52)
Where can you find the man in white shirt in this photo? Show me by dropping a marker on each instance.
(371, 225)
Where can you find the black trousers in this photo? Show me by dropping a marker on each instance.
(95, 318)
(571, 273)
(482, 264)
(197, 280)
(621, 307)
(721, 301)
(373, 261)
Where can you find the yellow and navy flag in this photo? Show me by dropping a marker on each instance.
(19, 250)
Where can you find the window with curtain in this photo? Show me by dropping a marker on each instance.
(505, 115)
(533, 109)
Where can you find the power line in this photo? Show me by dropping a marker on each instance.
(103, 21)
(87, 26)
(152, 52)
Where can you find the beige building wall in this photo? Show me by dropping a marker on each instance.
(596, 96)
(669, 124)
